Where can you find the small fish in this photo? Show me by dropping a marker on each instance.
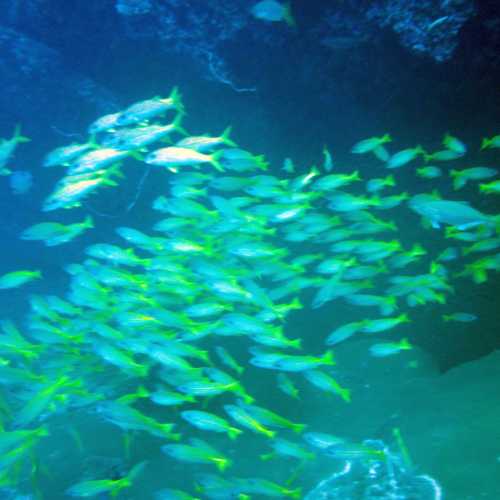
(227, 359)
(354, 451)
(286, 448)
(442, 155)
(321, 440)
(264, 487)
(210, 422)
(327, 160)
(270, 418)
(490, 187)
(131, 398)
(404, 156)
(170, 494)
(448, 254)
(369, 145)
(128, 418)
(104, 123)
(429, 172)
(72, 189)
(328, 384)
(13, 439)
(455, 213)
(461, 317)
(7, 148)
(483, 246)
(273, 11)
(384, 324)
(240, 160)
(492, 142)
(332, 182)
(461, 177)
(64, 155)
(393, 201)
(390, 348)
(150, 108)
(95, 487)
(174, 156)
(289, 363)
(288, 166)
(242, 417)
(376, 185)
(97, 159)
(15, 279)
(121, 359)
(168, 398)
(387, 304)
(345, 331)
(346, 202)
(205, 143)
(286, 385)
(54, 233)
(454, 144)
(198, 452)
(41, 399)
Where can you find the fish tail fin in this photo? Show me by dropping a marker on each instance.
(270, 434)
(405, 318)
(108, 182)
(296, 493)
(88, 223)
(485, 143)
(427, 157)
(457, 181)
(484, 188)
(298, 428)
(17, 135)
(226, 139)
(222, 463)
(142, 392)
(175, 436)
(92, 141)
(136, 155)
(261, 162)
(356, 176)
(420, 150)
(177, 124)
(214, 160)
(288, 16)
(345, 394)
(405, 344)
(233, 432)
(136, 470)
(176, 98)
(328, 358)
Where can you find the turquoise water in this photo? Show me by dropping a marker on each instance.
(441, 395)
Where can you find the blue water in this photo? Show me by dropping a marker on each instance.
(287, 92)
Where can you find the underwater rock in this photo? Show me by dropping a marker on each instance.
(443, 418)
(37, 72)
(424, 27)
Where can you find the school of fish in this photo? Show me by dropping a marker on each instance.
(176, 331)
